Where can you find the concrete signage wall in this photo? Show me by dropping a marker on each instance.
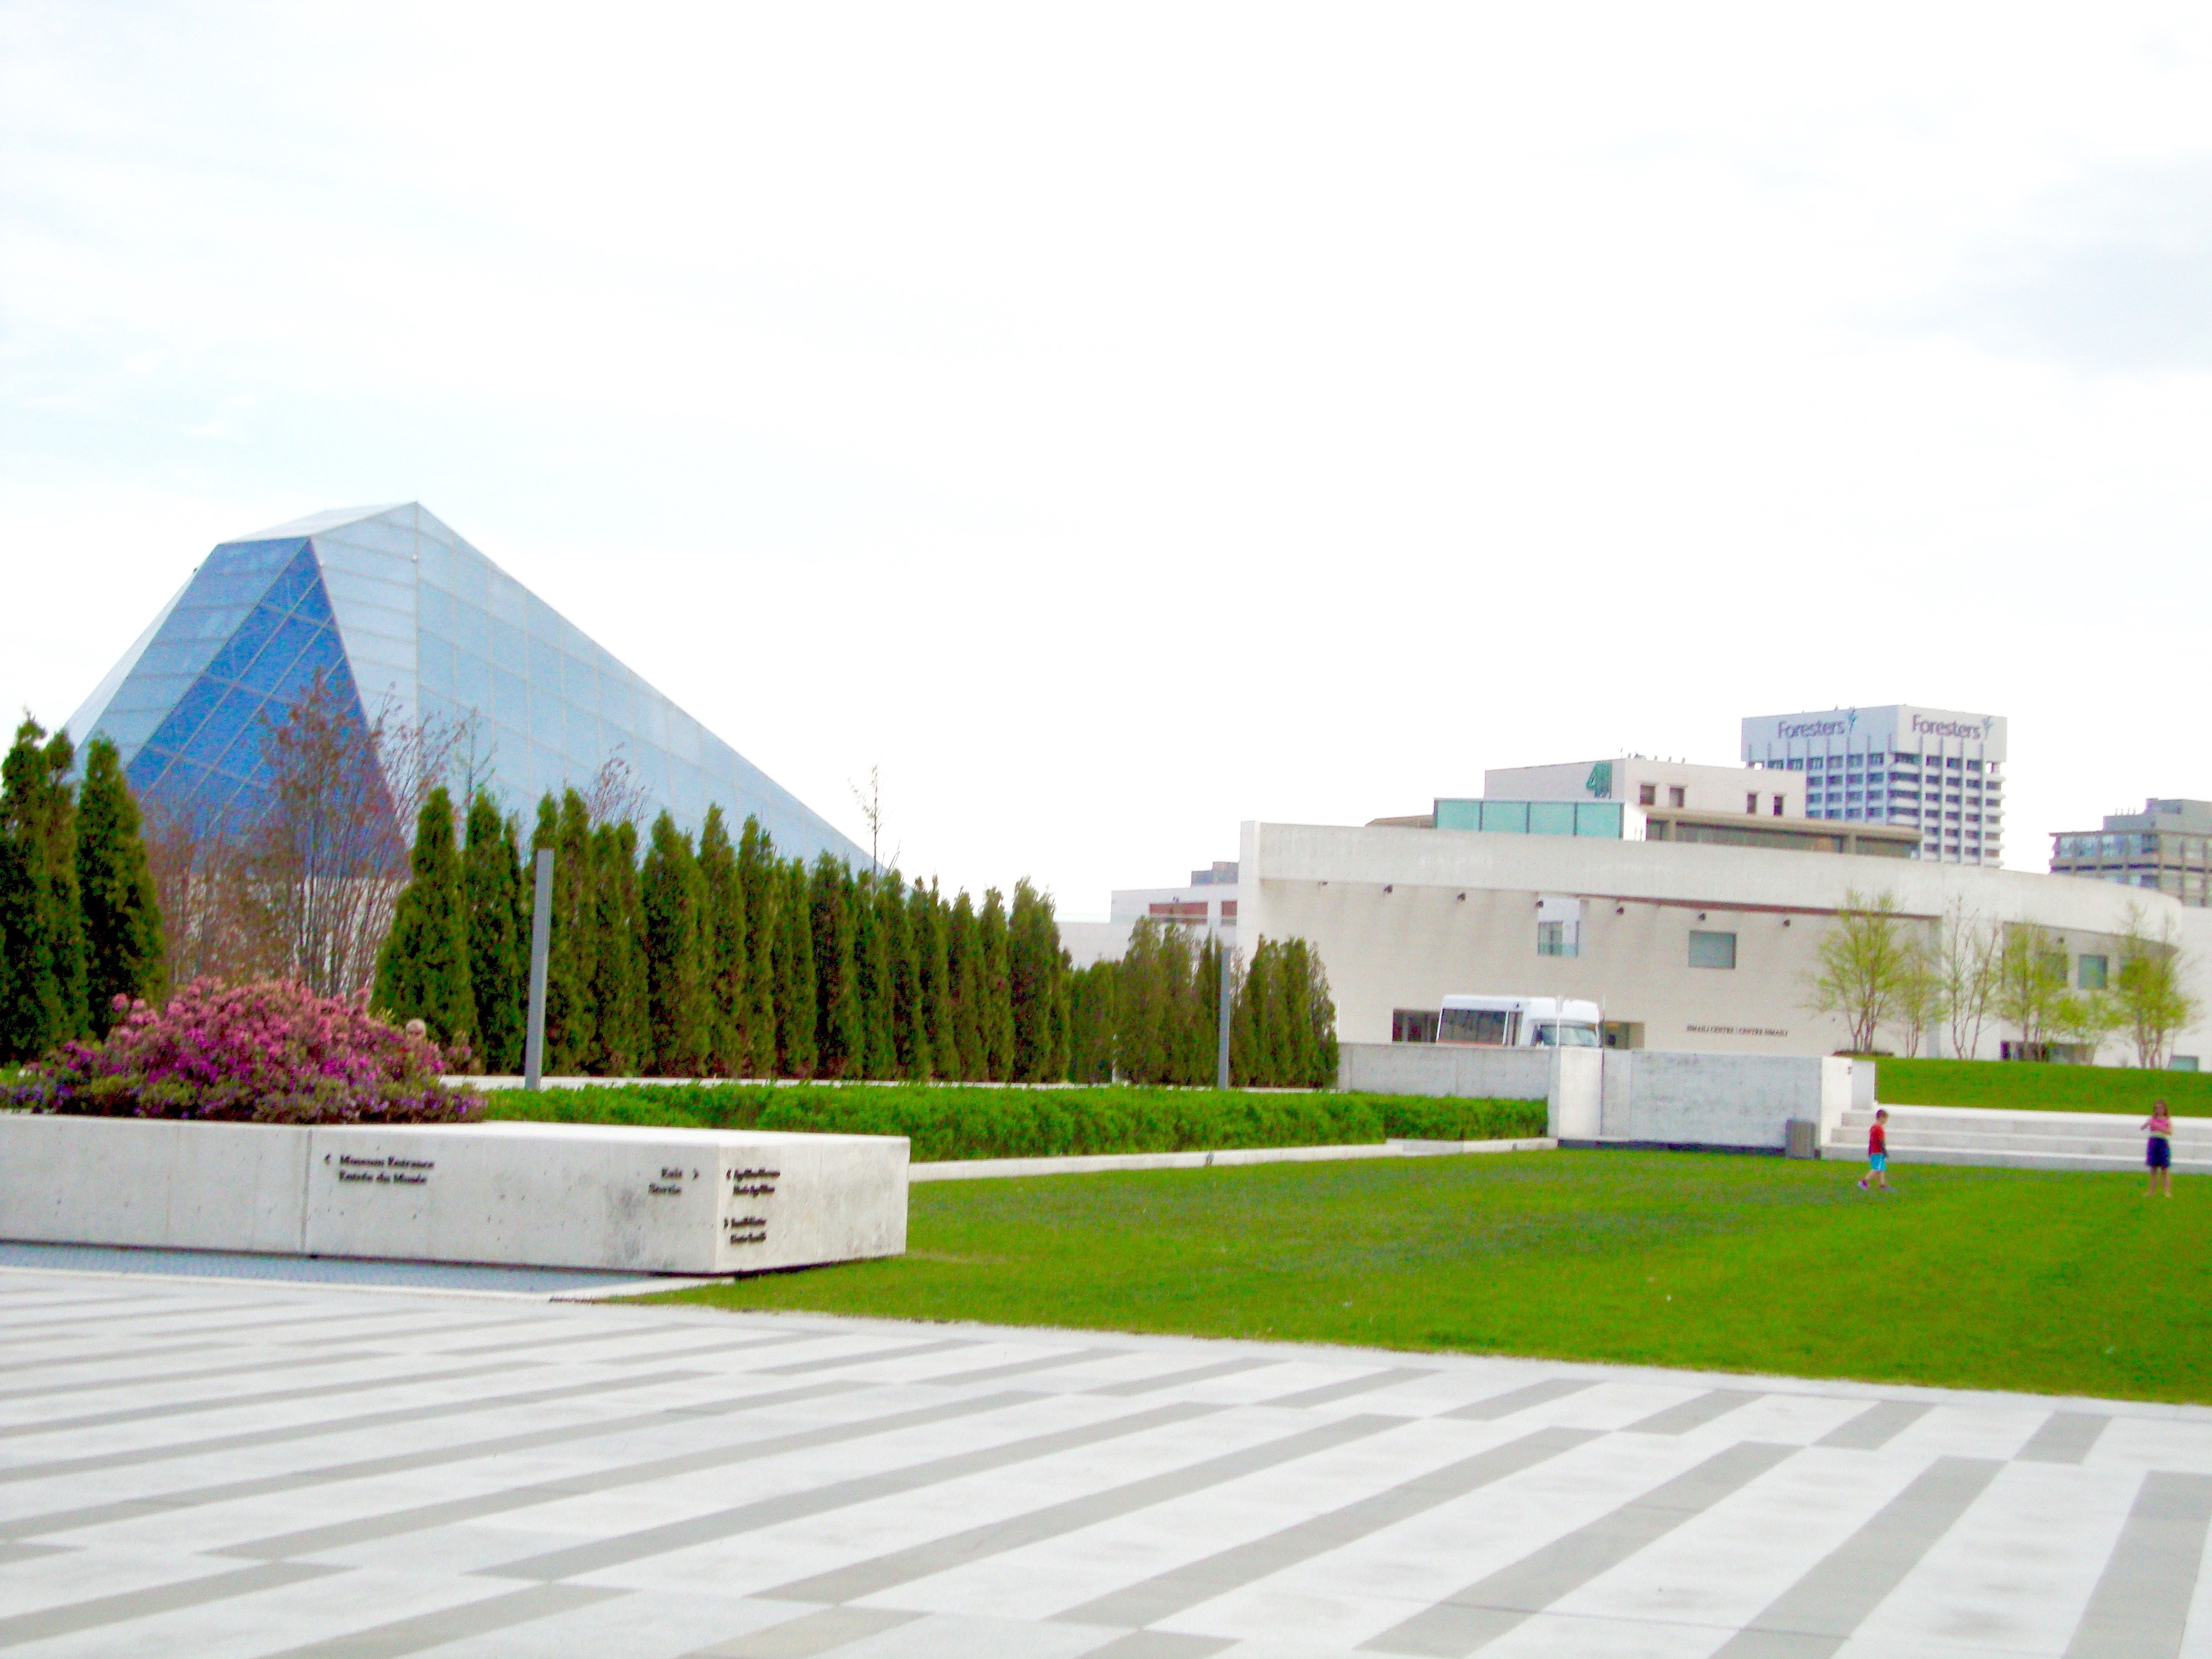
(1445, 1068)
(521, 1195)
(1650, 1095)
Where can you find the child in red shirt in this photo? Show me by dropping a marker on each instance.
(1877, 1152)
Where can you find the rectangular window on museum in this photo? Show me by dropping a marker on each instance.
(2089, 973)
(1711, 949)
(1558, 939)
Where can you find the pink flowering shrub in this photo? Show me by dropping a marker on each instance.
(268, 1052)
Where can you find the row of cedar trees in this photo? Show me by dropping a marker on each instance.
(80, 923)
(1153, 1017)
(720, 958)
(717, 959)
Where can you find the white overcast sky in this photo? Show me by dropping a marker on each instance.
(1119, 422)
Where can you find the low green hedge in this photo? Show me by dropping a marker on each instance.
(2029, 1086)
(949, 1122)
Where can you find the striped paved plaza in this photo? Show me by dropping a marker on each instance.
(228, 1467)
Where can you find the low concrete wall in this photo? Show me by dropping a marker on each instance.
(1445, 1068)
(1673, 1098)
(1650, 1095)
(518, 1195)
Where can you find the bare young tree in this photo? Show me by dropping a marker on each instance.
(1862, 962)
(1965, 963)
(2028, 983)
(300, 883)
(614, 795)
(1920, 1006)
(871, 814)
(2150, 999)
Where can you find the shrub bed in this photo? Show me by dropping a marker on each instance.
(948, 1122)
(267, 1053)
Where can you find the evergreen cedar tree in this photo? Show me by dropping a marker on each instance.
(125, 953)
(715, 958)
(722, 961)
(80, 924)
(423, 971)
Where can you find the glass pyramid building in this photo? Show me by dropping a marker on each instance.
(404, 619)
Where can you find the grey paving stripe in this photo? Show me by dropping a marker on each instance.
(203, 1326)
(810, 1634)
(834, 1362)
(102, 1610)
(648, 1542)
(1151, 1600)
(453, 1511)
(1818, 1614)
(1521, 1399)
(397, 1462)
(1019, 1367)
(434, 1630)
(851, 1583)
(721, 1346)
(1160, 1644)
(1176, 1379)
(353, 1387)
(564, 1339)
(1874, 1427)
(1474, 1617)
(2065, 1438)
(138, 1379)
(2140, 1604)
(109, 1355)
(80, 1319)
(1328, 1392)
(272, 1436)
(1689, 1414)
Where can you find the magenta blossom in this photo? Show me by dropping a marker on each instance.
(267, 1053)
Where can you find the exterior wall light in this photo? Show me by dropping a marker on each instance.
(1701, 915)
(1462, 898)
(1389, 887)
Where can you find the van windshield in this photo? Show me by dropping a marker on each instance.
(1575, 1034)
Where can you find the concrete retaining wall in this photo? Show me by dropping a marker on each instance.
(1652, 1096)
(517, 1195)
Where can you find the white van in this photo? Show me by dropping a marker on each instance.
(1519, 1022)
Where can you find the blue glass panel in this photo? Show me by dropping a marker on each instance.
(505, 598)
(221, 728)
(434, 562)
(683, 736)
(146, 768)
(616, 706)
(544, 667)
(1551, 818)
(434, 665)
(271, 666)
(472, 680)
(508, 650)
(193, 707)
(226, 588)
(434, 612)
(541, 619)
(294, 583)
(547, 729)
(254, 632)
(510, 706)
(471, 626)
(321, 652)
(471, 582)
(580, 684)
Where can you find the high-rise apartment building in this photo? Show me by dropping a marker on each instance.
(2166, 847)
(1935, 769)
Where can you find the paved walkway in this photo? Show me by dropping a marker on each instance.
(221, 1468)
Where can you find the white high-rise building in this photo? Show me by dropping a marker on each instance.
(1936, 769)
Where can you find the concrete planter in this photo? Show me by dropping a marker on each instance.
(518, 1195)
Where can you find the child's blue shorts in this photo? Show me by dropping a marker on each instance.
(1877, 1160)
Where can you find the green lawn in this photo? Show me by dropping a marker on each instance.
(2019, 1087)
(2052, 1282)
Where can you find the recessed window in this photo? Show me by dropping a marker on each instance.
(1711, 949)
(1751, 803)
(1414, 1025)
(1674, 794)
(1778, 806)
(1558, 939)
(1647, 794)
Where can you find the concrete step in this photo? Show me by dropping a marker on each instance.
(2020, 1140)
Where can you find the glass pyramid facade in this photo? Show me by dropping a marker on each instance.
(404, 619)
